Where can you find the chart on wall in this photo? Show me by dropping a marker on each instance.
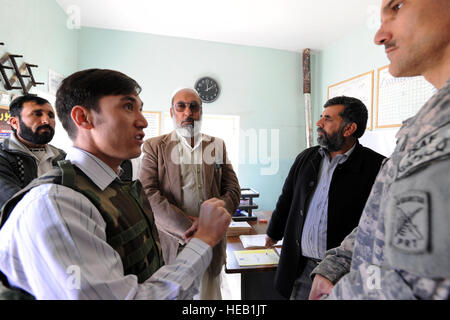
(154, 124)
(360, 87)
(399, 98)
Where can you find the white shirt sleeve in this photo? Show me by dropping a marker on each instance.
(57, 249)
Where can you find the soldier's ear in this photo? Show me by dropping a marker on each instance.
(82, 117)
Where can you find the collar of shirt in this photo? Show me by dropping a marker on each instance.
(15, 144)
(342, 157)
(98, 171)
(197, 140)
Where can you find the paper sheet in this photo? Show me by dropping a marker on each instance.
(256, 257)
(239, 224)
(256, 241)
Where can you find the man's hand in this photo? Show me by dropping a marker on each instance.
(270, 242)
(320, 286)
(189, 234)
(213, 221)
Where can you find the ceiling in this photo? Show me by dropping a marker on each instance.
(291, 25)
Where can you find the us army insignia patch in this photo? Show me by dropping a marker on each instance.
(411, 222)
(431, 147)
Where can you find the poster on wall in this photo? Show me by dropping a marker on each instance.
(5, 128)
(360, 87)
(399, 98)
(54, 81)
(154, 124)
(5, 98)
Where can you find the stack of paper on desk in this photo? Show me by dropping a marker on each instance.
(237, 228)
(256, 257)
(256, 241)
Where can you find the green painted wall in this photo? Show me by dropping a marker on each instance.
(37, 29)
(348, 57)
(261, 86)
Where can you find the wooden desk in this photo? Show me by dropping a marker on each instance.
(256, 281)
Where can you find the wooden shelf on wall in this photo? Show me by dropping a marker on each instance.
(19, 74)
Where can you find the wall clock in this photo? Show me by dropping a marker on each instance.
(208, 89)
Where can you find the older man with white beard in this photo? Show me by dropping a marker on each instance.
(179, 171)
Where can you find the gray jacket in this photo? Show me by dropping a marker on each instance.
(17, 169)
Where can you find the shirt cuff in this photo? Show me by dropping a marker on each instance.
(198, 253)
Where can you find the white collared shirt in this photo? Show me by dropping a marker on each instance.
(54, 246)
(191, 171)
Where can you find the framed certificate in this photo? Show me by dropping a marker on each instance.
(154, 124)
(360, 87)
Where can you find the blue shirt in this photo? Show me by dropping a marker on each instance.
(314, 235)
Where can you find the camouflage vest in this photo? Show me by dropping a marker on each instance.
(130, 226)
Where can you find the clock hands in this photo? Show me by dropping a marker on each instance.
(207, 89)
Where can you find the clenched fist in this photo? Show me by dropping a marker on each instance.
(213, 221)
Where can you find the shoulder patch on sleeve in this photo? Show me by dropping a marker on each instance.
(410, 232)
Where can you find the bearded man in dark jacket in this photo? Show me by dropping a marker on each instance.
(323, 196)
(26, 154)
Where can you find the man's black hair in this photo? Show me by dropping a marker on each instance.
(85, 88)
(354, 111)
(15, 107)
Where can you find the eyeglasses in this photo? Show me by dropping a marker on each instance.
(181, 106)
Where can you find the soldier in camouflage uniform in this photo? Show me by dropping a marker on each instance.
(401, 248)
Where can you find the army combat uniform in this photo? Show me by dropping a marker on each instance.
(401, 248)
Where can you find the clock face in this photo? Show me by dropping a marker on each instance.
(208, 89)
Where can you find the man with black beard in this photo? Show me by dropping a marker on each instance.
(181, 170)
(26, 154)
(323, 196)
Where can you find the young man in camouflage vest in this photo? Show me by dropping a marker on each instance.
(80, 232)
(401, 248)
